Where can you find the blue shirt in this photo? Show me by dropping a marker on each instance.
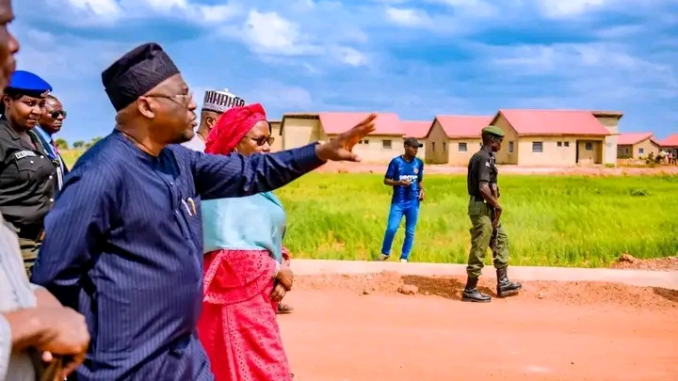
(46, 141)
(401, 169)
(123, 245)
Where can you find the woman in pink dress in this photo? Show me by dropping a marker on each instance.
(246, 275)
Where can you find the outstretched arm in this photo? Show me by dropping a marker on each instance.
(235, 175)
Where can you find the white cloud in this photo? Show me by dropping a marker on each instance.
(407, 17)
(569, 8)
(270, 33)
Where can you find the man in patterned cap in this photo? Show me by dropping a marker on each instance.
(122, 245)
(485, 213)
(215, 104)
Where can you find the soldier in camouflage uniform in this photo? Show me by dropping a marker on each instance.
(485, 213)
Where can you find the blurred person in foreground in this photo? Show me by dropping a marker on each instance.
(122, 244)
(405, 174)
(485, 214)
(35, 329)
(214, 105)
(245, 276)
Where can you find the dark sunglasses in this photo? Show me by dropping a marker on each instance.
(263, 140)
(55, 114)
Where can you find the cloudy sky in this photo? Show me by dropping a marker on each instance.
(416, 58)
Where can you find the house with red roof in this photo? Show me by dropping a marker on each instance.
(453, 139)
(670, 143)
(557, 137)
(636, 145)
(386, 142)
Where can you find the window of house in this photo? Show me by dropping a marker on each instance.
(462, 147)
(433, 146)
(626, 150)
(560, 144)
(510, 146)
(589, 146)
(366, 142)
(386, 144)
(537, 147)
(641, 151)
(444, 146)
(567, 144)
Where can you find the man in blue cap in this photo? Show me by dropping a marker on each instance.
(28, 176)
(485, 213)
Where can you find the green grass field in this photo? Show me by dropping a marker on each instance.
(551, 220)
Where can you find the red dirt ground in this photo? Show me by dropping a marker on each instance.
(358, 328)
(627, 261)
(333, 167)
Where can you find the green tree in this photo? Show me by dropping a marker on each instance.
(61, 143)
(78, 144)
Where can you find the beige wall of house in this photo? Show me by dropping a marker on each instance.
(275, 133)
(461, 150)
(378, 148)
(436, 146)
(300, 131)
(510, 149)
(636, 151)
(542, 151)
(611, 122)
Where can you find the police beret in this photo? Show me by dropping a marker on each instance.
(494, 131)
(28, 83)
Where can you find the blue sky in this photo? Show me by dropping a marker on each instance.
(416, 58)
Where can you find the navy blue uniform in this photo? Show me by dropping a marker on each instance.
(124, 246)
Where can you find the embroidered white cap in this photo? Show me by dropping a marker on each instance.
(220, 101)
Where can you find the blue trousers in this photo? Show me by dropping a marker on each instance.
(409, 209)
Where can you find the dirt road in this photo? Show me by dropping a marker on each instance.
(341, 335)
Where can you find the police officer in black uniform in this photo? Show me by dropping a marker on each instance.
(28, 177)
(485, 213)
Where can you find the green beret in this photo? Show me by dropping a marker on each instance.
(494, 131)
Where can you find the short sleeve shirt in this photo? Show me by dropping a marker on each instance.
(482, 167)
(400, 169)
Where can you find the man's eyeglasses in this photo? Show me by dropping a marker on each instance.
(181, 98)
(56, 113)
(261, 141)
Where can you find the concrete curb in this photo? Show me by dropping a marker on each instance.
(640, 278)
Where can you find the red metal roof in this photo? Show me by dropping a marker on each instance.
(671, 141)
(416, 129)
(554, 122)
(459, 126)
(633, 138)
(337, 122)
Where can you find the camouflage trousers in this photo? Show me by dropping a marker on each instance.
(29, 251)
(482, 238)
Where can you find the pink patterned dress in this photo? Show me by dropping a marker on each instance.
(238, 326)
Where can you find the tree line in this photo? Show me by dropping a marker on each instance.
(79, 144)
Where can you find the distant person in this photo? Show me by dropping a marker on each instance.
(245, 272)
(49, 125)
(405, 174)
(214, 104)
(121, 246)
(28, 176)
(485, 214)
(34, 328)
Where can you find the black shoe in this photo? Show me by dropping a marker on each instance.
(471, 293)
(504, 286)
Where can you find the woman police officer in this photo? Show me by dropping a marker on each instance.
(28, 177)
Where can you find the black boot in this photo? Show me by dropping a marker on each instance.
(504, 286)
(471, 293)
